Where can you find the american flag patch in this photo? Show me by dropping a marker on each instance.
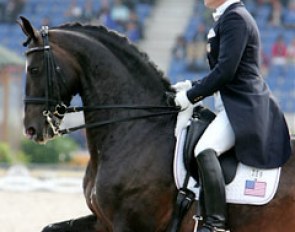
(255, 188)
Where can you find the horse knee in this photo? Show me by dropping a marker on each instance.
(58, 227)
(85, 224)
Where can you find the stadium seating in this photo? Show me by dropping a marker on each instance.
(38, 10)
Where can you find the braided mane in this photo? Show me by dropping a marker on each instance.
(97, 32)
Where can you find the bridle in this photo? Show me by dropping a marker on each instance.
(53, 73)
(50, 100)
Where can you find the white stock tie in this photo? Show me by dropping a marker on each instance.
(216, 15)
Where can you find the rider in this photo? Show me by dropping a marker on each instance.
(248, 117)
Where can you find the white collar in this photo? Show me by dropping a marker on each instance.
(220, 10)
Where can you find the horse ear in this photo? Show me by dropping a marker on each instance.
(28, 29)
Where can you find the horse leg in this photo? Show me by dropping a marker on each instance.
(91, 197)
(90, 223)
(86, 224)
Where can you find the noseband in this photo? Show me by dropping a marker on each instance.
(52, 71)
(60, 109)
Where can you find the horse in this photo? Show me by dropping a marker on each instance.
(129, 121)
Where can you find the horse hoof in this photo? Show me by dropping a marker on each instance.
(59, 227)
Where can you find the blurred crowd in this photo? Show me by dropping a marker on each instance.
(125, 16)
(10, 9)
(121, 15)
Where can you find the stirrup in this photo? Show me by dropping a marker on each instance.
(215, 229)
(220, 230)
(197, 218)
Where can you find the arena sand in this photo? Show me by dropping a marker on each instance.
(31, 211)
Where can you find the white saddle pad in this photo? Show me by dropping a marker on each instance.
(250, 185)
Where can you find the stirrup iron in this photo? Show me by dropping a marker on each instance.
(196, 218)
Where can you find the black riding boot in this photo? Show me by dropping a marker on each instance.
(212, 182)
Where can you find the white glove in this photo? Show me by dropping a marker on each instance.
(186, 112)
(182, 86)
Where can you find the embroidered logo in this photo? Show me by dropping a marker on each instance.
(255, 188)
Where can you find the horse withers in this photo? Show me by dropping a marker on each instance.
(128, 184)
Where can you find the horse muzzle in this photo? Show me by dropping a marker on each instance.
(39, 133)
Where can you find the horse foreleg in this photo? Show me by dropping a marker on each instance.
(85, 224)
(91, 198)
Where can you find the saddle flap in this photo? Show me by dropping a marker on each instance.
(202, 117)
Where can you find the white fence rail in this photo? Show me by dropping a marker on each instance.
(18, 179)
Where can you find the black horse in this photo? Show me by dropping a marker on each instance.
(128, 183)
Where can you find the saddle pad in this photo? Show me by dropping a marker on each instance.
(250, 186)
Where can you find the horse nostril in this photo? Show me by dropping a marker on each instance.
(30, 132)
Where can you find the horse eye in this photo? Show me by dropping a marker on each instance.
(34, 71)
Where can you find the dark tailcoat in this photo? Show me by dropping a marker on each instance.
(262, 136)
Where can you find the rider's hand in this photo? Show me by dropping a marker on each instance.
(182, 85)
(182, 101)
(186, 112)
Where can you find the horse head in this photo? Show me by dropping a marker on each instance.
(100, 65)
(48, 91)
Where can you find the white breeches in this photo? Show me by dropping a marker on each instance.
(218, 136)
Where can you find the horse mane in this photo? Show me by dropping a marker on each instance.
(93, 30)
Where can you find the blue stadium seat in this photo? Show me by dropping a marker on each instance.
(289, 17)
(176, 69)
(143, 10)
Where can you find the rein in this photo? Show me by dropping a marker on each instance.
(60, 109)
(119, 120)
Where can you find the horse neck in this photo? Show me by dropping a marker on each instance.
(120, 76)
(114, 74)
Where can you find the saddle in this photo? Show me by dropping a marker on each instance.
(201, 118)
(244, 184)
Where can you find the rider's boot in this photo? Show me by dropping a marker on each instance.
(212, 182)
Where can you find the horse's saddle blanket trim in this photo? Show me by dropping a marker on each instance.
(250, 186)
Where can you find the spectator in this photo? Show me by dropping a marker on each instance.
(120, 14)
(2, 10)
(132, 31)
(264, 63)
(179, 49)
(196, 50)
(46, 21)
(104, 16)
(13, 9)
(289, 17)
(74, 12)
(291, 51)
(276, 14)
(285, 2)
(131, 4)
(261, 10)
(150, 2)
(133, 17)
(279, 52)
(87, 12)
(251, 5)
